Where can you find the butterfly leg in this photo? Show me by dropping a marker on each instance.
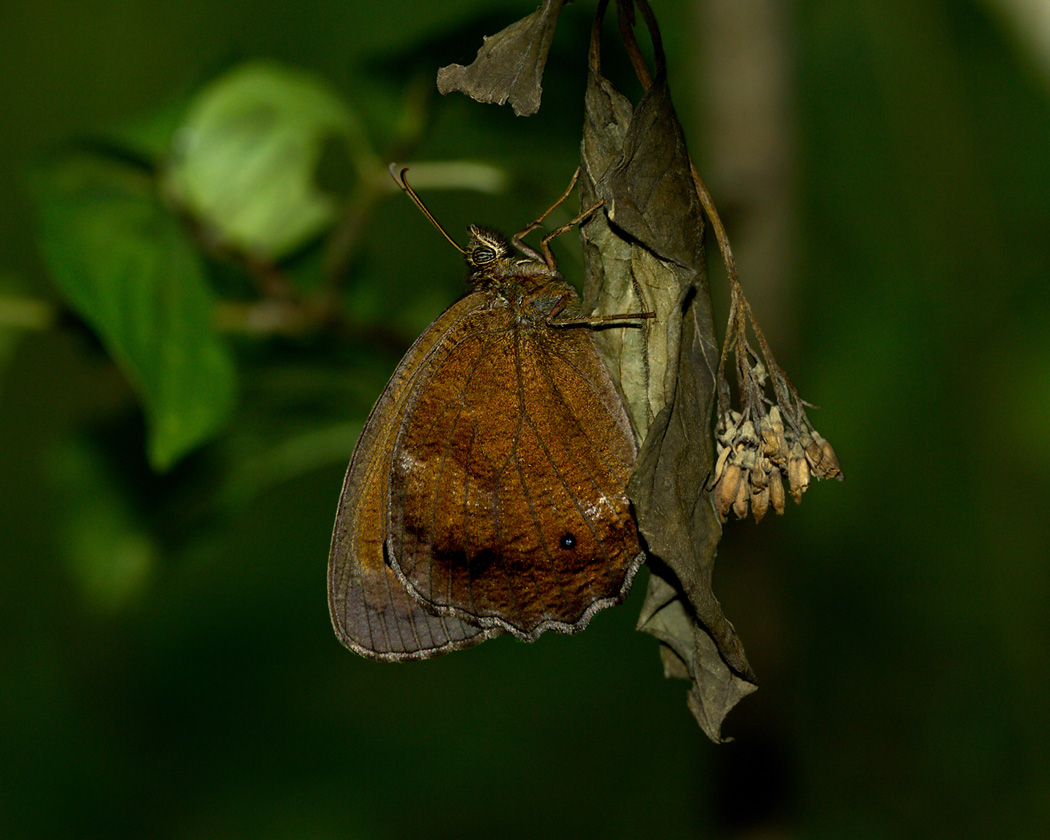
(590, 320)
(517, 238)
(548, 257)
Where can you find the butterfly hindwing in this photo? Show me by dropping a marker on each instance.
(507, 498)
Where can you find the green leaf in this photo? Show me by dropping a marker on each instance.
(123, 263)
(247, 152)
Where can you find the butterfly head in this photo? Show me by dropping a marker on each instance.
(487, 253)
(493, 263)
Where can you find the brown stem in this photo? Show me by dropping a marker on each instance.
(659, 59)
(625, 20)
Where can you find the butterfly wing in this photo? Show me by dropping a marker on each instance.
(371, 611)
(508, 488)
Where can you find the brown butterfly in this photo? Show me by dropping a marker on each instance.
(488, 490)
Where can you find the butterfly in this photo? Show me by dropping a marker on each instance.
(487, 493)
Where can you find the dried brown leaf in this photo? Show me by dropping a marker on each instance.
(690, 653)
(644, 252)
(509, 65)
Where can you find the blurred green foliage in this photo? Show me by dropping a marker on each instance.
(167, 663)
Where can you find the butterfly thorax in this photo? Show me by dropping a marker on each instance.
(526, 283)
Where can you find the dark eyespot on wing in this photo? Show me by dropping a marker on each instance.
(481, 562)
(455, 558)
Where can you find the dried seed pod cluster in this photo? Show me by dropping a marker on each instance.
(752, 464)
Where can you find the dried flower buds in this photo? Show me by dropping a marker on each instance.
(751, 466)
(767, 440)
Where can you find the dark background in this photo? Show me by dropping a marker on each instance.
(167, 667)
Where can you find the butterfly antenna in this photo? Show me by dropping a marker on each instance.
(399, 179)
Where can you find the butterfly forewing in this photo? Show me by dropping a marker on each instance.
(372, 612)
(508, 504)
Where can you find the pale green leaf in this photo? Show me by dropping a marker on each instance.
(122, 262)
(246, 154)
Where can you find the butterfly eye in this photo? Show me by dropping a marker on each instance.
(482, 255)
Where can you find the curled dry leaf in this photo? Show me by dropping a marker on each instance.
(509, 65)
(688, 652)
(645, 252)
